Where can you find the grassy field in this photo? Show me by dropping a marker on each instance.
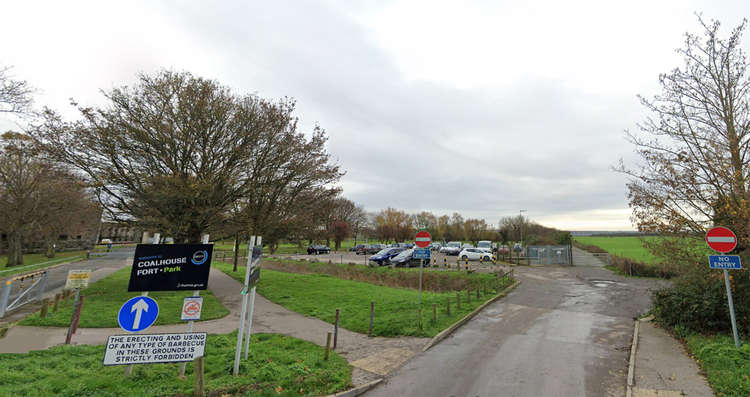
(626, 246)
(396, 309)
(36, 261)
(276, 366)
(727, 368)
(105, 297)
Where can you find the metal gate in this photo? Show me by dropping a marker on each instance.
(20, 290)
(548, 254)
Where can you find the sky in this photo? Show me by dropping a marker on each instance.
(484, 108)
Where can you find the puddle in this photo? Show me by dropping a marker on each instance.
(602, 283)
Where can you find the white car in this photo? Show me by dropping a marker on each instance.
(485, 245)
(473, 254)
(453, 248)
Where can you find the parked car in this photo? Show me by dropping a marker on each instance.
(503, 250)
(357, 247)
(452, 248)
(473, 254)
(435, 246)
(318, 249)
(405, 259)
(383, 257)
(485, 245)
(375, 248)
(517, 247)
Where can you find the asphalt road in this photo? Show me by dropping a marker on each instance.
(101, 266)
(562, 332)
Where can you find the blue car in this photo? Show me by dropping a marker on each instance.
(383, 257)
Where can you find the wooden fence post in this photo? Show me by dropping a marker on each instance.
(45, 308)
(57, 302)
(328, 346)
(198, 369)
(372, 315)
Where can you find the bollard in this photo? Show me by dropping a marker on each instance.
(198, 369)
(434, 313)
(328, 346)
(458, 301)
(445, 261)
(336, 330)
(448, 305)
(372, 315)
(45, 308)
(481, 260)
(57, 302)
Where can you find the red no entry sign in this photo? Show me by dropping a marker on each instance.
(422, 239)
(721, 239)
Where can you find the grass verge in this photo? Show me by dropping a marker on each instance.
(277, 365)
(105, 297)
(727, 368)
(396, 309)
(33, 262)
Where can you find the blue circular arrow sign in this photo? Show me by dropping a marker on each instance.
(138, 314)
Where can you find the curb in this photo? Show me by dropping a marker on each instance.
(631, 364)
(444, 334)
(357, 390)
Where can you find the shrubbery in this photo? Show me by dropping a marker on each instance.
(697, 301)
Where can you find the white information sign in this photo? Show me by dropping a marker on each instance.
(78, 278)
(154, 348)
(191, 308)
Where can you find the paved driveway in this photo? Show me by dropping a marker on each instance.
(562, 332)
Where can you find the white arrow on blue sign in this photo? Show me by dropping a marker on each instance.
(138, 314)
(724, 262)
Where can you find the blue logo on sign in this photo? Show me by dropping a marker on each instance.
(138, 314)
(199, 257)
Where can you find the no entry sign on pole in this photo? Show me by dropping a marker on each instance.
(422, 239)
(721, 239)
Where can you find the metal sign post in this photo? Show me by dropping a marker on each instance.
(254, 274)
(204, 240)
(723, 240)
(244, 312)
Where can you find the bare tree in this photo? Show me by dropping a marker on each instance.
(15, 95)
(694, 145)
(23, 174)
(178, 152)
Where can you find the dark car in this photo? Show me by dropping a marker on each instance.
(357, 248)
(318, 249)
(375, 248)
(383, 257)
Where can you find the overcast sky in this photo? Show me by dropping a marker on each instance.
(484, 107)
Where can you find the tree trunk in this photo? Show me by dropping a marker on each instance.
(50, 249)
(236, 251)
(15, 251)
(338, 244)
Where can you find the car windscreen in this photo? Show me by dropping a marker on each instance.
(454, 244)
(483, 244)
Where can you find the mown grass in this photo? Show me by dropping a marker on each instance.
(626, 246)
(104, 298)
(33, 262)
(277, 365)
(396, 309)
(432, 280)
(727, 368)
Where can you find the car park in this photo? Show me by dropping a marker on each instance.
(383, 257)
(318, 249)
(474, 254)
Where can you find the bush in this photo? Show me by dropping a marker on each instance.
(698, 302)
(630, 267)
